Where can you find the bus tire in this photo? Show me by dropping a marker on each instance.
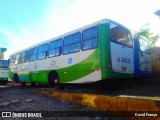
(52, 78)
(5, 83)
(15, 78)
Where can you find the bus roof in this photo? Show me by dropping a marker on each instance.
(106, 20)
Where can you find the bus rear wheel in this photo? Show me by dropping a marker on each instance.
(53, 80)
(15, 78)
(4, 82)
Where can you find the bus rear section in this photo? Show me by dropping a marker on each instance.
(3, 71)
(142, 55)
(122, 58)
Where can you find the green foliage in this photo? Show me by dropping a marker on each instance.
(146, 32)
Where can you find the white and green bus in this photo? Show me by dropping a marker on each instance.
(99, 51)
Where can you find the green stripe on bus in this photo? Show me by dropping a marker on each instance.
(81, 69)
(3, 78)
(67, 74)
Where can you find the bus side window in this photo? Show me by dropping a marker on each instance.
(42, 51)
(71, 43)
(144, 46)
(55, 48)
(24, 56)
(32, 54)
(17, 58)
(90, 38)
(12, 60)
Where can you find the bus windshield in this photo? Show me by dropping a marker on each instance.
(120, 35)
(3, 63)
(144, 45)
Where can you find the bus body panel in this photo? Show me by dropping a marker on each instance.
(145, 62)
(105, 54)
(121, 46)
(3, 74)
(122, 58)
(70, 67)
(109, 56)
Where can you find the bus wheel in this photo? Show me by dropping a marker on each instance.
(15, 78)
(5, 83)
(52, 78)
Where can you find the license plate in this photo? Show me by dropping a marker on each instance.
(124, 69)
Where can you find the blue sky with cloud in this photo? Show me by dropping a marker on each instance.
(27, 22)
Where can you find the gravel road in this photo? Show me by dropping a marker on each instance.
(16, 99)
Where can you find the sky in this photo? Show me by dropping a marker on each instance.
(27, 22)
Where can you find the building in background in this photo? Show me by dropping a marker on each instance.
(2, 50)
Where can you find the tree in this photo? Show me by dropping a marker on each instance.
(146, 32)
